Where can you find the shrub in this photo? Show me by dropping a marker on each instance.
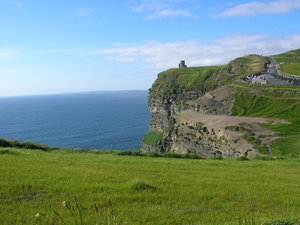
(152, 154)
(172, 155)
(136, 153)
(26, 145)
(279, 222)
(153, 137)
(140, 185)
(8, 151)
(192, 156)
(4, 143)
(262, 148)
(216, 157)
(242, 158)
(266, 158)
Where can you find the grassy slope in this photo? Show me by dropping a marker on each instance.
(291, 60)
(188, 191)
(207, 77)
(191, 77)
(292, 68)
(275, 102)
(251, 64)
(288, 57)
(251, 100)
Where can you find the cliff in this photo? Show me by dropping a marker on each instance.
(192, 112)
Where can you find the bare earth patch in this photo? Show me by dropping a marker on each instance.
(219, 123)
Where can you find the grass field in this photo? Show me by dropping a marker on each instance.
(288, 57)
(191, 77)
(292, 68)
(251, 64)
(111, 189)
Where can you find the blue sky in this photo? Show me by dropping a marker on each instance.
(73, 46)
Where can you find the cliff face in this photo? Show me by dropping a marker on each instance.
(204, 91)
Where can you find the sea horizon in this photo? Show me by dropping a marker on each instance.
(71, 92)
(90, 120)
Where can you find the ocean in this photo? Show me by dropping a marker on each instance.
(94, 120)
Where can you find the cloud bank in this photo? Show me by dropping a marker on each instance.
(84, 11)
(17, 3)
(255, 8)
(219, 51)
(160, 8)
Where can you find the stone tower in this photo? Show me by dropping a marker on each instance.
(182, 64)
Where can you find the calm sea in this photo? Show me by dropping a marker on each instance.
(101, 120)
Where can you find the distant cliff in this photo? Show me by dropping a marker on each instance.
(192, 112)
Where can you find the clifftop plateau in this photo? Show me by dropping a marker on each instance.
(216, 110)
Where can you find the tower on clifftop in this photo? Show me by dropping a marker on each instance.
(182, 64)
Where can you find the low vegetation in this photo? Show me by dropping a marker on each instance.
(206, 78)
(288, 57)
(152, 137)
(25, 145)
(250, 64)
(291, 68)
(250, 103)
(85, 187)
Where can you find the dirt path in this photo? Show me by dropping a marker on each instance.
(220, 121)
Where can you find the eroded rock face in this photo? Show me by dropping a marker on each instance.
(208, 134)
(206, 92)
(165, 106)
(191, 137)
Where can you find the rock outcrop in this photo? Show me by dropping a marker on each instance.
(205, 91)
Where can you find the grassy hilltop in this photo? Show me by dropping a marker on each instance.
(282, 102)
(290, 62)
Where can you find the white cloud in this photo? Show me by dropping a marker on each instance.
(17, 3)
(219, 51)
(84, 11)
(8, 71)
(161, 8)
(171, 13)
(7, 54)
(18, 70)
(148, 5)
(254, 8)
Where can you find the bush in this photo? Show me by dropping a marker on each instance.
(25, 145)
(142, 186)
(279, 222)
(172, 155)
(8, 151)
(4, 143)
(152, 154)
(266, 158)
(192, 156)
(153, 137)
(262, 148)
(242, 158)
(216, 157)
(136, 153)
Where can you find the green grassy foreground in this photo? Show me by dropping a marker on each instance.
(112, 189)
